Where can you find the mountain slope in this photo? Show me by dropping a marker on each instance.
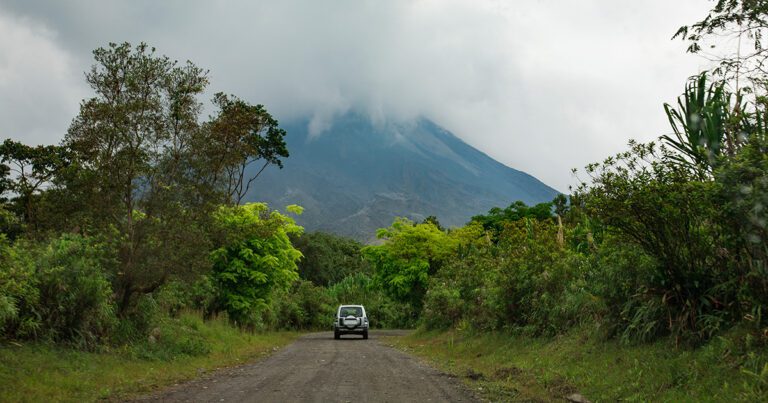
(357, 176)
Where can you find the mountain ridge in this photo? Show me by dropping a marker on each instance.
(358, 175)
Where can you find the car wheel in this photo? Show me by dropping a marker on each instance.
(365, 335)
(336, 334)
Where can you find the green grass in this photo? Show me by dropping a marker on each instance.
(186, 348)
(502, 367)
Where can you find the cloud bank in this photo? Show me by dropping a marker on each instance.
(542, 86)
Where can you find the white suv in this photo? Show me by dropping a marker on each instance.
(350, 319)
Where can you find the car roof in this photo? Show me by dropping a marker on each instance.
(350, 306)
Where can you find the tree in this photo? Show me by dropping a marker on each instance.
(26, 171)
(255, 259)
(434, 221)
(409, 255)
(237, 137)
(518, 210)
(144, 167)
(560, 202)
(647, 199)
(732, 35)
(744, 22)
(329, 258)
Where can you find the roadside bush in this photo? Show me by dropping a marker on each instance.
(466, 291)
(255, 260)
(382, 311)
(386, 313)
(173, 297)
(16, 289)
(202, 296)
(139, 320)
(75, 295)
(443, 305)
(303, 306)
(743, 194)
(171, 338)
(649, 200)
(59, 291)
(525, 281)
(539, 282)
(619, 276)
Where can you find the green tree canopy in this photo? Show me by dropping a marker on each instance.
(496, 217)
(329, 258)
(147, 171)
(255, 259)
(28, 170)
(410, 254)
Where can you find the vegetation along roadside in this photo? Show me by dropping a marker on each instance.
(128, 247)
(185, 347)
(504, 367)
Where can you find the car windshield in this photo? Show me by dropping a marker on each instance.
(351, 310)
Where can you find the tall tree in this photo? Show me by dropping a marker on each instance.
(256, 259)
(516, 211)
(410, 254)
(146, 170)
(732, 36)
(743, 23)
(238, 137)
(26, 171)
(329, 258)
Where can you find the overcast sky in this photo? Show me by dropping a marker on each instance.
(542, 86)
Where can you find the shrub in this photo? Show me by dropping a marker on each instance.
(465, 290)
(60, 291)
(256, 259)
(382, 311)
(16, 287)
(139, 320)
(75, 295)
(619, 273)
(202, 296)
(443, 305)
(537, 279)
(171, 338)
(743, 193)
(648, 200)
(329, 258)
(526, 280)
(303, 306)
(173, 297)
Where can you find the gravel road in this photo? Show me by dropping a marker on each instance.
(317, 368)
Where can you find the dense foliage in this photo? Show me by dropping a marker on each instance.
(132, 217)
(135, 218)
(409, 256)
(329, 258)
(256, 259)
(58, 291)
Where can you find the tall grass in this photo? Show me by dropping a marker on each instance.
(522, 368)
(182, 348)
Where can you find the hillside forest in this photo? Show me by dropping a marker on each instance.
(137, 216)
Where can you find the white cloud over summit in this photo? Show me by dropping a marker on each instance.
(541, 86)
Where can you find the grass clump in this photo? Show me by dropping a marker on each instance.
(504, 367)
(183, 348)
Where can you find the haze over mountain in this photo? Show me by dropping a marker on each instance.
(358, 175)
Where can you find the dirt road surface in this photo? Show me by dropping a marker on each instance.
(317, 368)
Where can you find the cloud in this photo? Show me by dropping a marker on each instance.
(541, 86)
(39, 88)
